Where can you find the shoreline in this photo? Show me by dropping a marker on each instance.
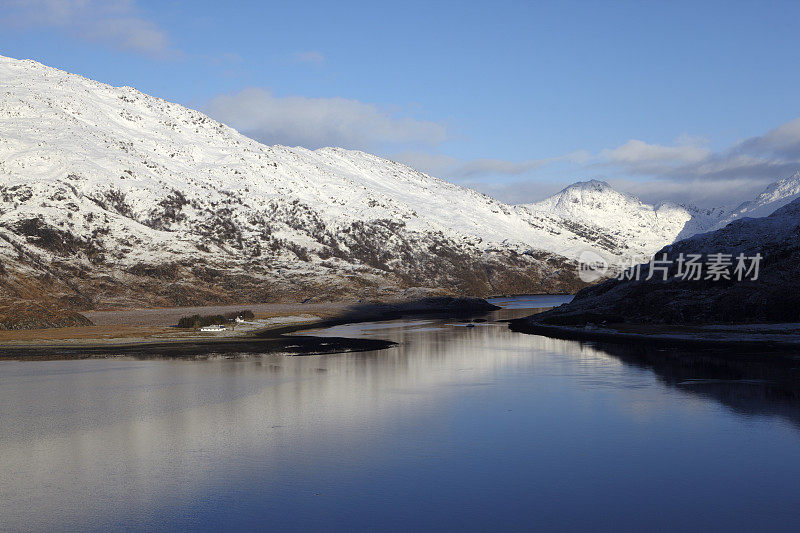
(739, 336)
(271, 340)
(523, 295)
(279, 345)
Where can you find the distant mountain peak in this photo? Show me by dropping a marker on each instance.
(781, 189)
(590, 187)
(773, 197)
(592, 193)
(592, 184)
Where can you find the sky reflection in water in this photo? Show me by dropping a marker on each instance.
(468, 428)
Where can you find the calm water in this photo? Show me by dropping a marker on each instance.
(457, 428)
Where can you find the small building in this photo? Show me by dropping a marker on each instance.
(213, 327)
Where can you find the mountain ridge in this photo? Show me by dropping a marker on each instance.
(113, 198)
(598, 202)
(773, 197)
(118, 198)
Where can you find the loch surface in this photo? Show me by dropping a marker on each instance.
(461, 426)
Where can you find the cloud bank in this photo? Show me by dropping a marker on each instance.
(318, 122)
(775, 153)
(686, 171)
(115, 23)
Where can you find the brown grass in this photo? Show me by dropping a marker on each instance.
(83, 332)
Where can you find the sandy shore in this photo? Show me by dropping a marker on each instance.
(151, 332)
(161, 317)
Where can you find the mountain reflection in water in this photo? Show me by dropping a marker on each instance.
(456, 427)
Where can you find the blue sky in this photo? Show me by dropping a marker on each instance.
(691, 101)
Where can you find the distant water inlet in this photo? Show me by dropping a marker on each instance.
(463, 425)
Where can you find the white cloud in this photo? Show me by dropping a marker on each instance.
(687, 171)
(115, 23)
(700, 192)
(766, 157)
(317, 122)
(635, 152)
(491, 176)
(783, 140)
(452, 167)
(493, 167)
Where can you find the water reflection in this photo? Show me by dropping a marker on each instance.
(476, 426)
(749, 383)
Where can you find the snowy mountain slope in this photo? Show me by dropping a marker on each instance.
(774, 197)
(111, 197)
(119, 197)
(646, 228)
(643, 227)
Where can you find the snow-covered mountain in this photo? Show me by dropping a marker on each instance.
(774, 197)
(644, 228)
(111, 197)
